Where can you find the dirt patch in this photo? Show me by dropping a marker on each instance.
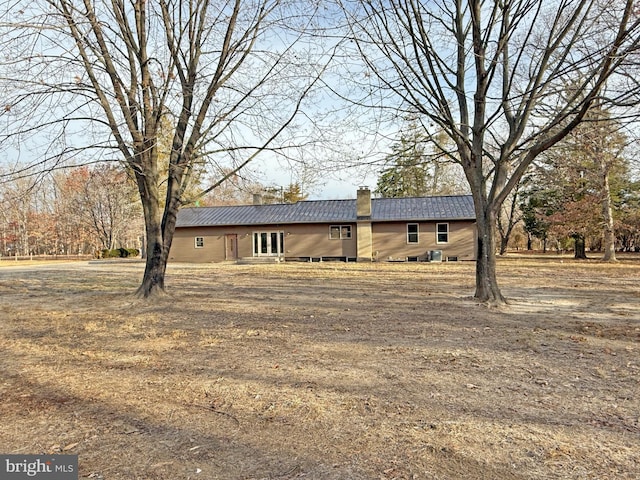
(325, 371)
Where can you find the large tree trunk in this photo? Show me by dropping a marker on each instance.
(504, 243)
(156, 263)
(157, 254)
(607, 217)
(487, 289)
(159, 239)
(580, 251)
(160, 226)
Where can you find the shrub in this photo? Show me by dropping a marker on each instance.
(119, 253)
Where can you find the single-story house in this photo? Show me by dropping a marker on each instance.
(364, 229)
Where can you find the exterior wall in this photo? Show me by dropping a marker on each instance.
(310, 240)
(183, 247)
(365, 242)
(313, 241)
(390, 241)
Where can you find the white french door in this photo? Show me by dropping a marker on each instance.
(268, 244)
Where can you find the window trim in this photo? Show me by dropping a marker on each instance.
(416, 233)
(438, 233)
(198, 242)
(264, 246)
(339, 229)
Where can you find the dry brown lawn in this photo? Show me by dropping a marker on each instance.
(325, 371)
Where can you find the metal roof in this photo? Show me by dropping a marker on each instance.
(453, 207)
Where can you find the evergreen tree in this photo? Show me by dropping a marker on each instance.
(416, 170)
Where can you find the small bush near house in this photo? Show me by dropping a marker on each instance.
(119, 253)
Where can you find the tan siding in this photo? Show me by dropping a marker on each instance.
(299, 241)
(462, 241)
(183, 247)
(390, 241)
(312, 240)
(365, 241)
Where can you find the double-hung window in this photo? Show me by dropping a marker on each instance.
(199, 242)
(412, 233)
(442, 233)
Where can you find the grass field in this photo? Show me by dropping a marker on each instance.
(325, 371)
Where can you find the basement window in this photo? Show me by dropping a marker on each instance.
(442, 233)
(339, 232)
(412, 233)
(199, 242)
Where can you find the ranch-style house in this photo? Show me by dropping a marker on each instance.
(439, 228)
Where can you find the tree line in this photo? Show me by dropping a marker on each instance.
(80, 211)
(581, 195)
(224, 82)
(585, 193)
(95, 210)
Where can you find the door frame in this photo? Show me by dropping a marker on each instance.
(231, 246)
(268, 250)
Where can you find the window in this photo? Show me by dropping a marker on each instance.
(199, 242)
(339, 232)
(269, 244)
(442, 233)
(412, 233)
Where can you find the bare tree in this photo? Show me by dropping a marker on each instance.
(228, 77)
(604, 144)
(509, 216)
(494, 76)
(17, 209)
(103, 201)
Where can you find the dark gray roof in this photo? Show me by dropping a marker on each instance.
(454, 207)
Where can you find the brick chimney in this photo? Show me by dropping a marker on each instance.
(364, 237)
(363, 203)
